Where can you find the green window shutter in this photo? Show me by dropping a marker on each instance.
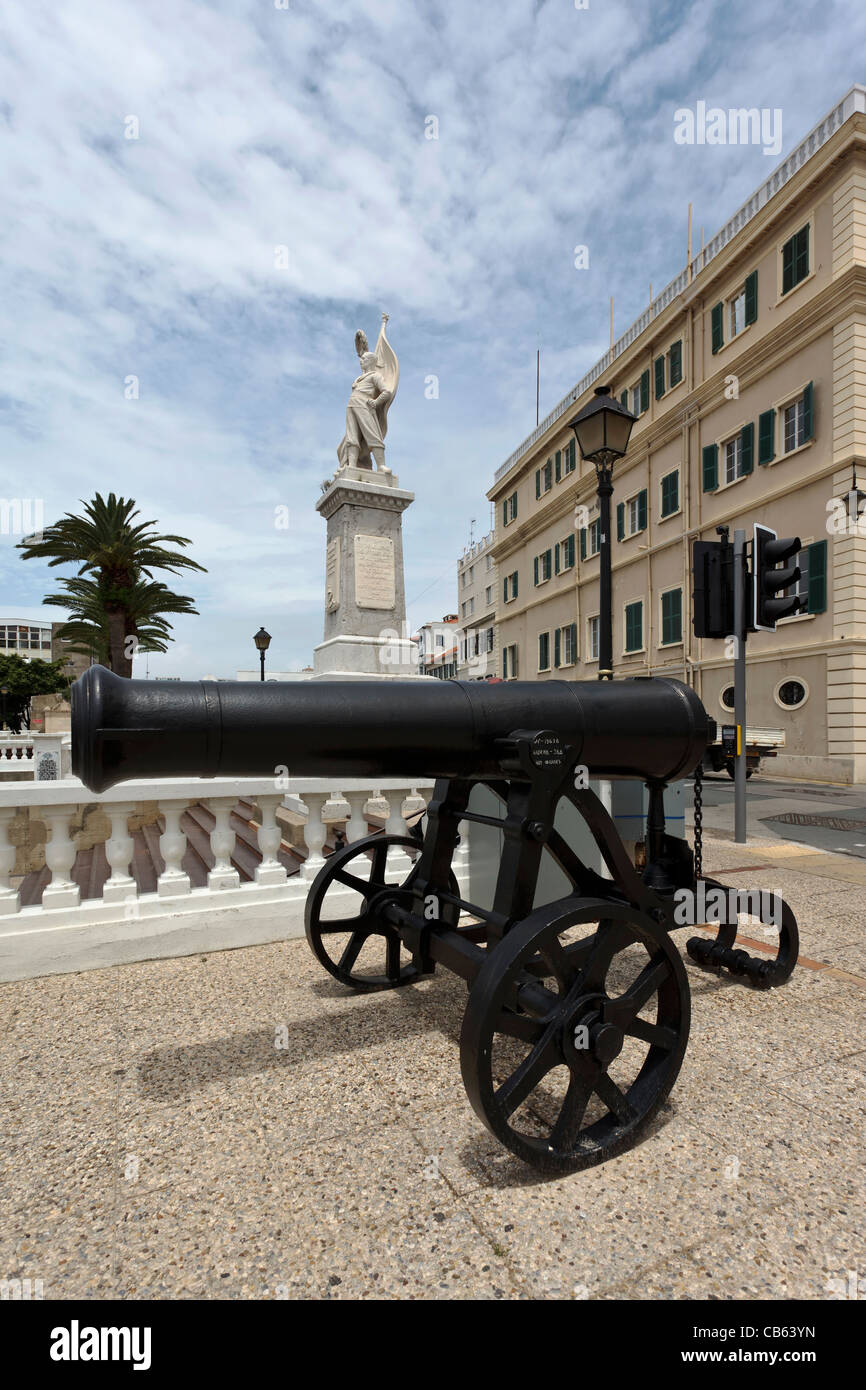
(570, 552)
(717, 331)
(557, 648)
(538, 482)
(752, 297)
(809, 412)
(672, 616)
(535, 567)
(748, 438)
(766, 436)
(513, 504)
(676, 362)
(556, 559)
(572, 449)
(710, 458)
(788, 266)
(504, 513)
(514, 583)
(801, 255)
(574, 641)
(660, 377)
(548, 564)
(583, 543)
(817, 577)
(641, 510)
(623, 399)
(558, 465)
(644, 390)
(505, 590)
(620, 520)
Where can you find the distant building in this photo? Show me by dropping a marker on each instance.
(437, 648)
(477, 596)
(306, 674)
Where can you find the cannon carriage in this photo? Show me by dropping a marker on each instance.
(577, 1015)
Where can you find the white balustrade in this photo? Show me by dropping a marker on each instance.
(64, 932)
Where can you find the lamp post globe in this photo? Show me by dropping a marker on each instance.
(603, 429)
(262, 640)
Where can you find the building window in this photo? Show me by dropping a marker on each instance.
(489, 647)
(571, 456)
(543, 567)
(509, 587)
(509, 662)
(675, 363)
(544, 651)
(592, 631)
(672, 617)
(631, 516)
(734, 459)
(671, 493)
(726, 698)
(566, 553)
(440, 640)
(636, 399)
(791, 693)
(565, 653)
(797, 420)
(737, 313)
(489, 565)
(634, 626)
(795, 259)
(594, 538)
(488, 595)
(509, 509)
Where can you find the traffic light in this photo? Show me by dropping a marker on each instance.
(713, 589)
(769, 551)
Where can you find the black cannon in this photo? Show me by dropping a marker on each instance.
(578, 1011)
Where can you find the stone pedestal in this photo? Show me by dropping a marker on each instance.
(365, 604)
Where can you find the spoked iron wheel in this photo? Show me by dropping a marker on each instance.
(572, 1036)
(350, 937)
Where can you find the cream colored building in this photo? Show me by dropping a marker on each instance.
(477, 589)
(748, 376)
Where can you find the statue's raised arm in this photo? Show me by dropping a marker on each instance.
(367, 411)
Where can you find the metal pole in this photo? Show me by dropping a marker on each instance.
(262, 655)
(605, 620)
(740, 686)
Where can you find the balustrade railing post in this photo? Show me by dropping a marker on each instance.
(356, 827)
(10, 900)
(222, 842)
(270, 836)
(315, 834)
(172, 846)
(119, 849)
(60, 857)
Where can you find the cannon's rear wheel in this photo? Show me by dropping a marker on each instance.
(573, 1037)
(355, 944)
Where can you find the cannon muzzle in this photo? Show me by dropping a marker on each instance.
(650, 727)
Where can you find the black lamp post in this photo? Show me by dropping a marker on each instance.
(603, 429)
(262, 640)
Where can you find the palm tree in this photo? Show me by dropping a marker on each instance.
(108, 608)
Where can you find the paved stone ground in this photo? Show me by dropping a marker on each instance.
(157, 1144)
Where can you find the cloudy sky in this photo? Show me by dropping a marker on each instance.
(306, 127)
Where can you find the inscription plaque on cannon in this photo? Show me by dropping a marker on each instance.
(375, 580)
(332, 575)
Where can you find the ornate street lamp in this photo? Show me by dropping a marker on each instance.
(262, 640)
(603, 429)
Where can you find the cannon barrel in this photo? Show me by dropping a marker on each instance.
(650, 727)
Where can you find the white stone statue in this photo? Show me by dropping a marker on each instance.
(367, 411)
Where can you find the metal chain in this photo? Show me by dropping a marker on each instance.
(699, 818)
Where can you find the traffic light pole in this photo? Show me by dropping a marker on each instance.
(740, 686)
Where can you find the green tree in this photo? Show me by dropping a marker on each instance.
(114, 607)
(20, 680)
